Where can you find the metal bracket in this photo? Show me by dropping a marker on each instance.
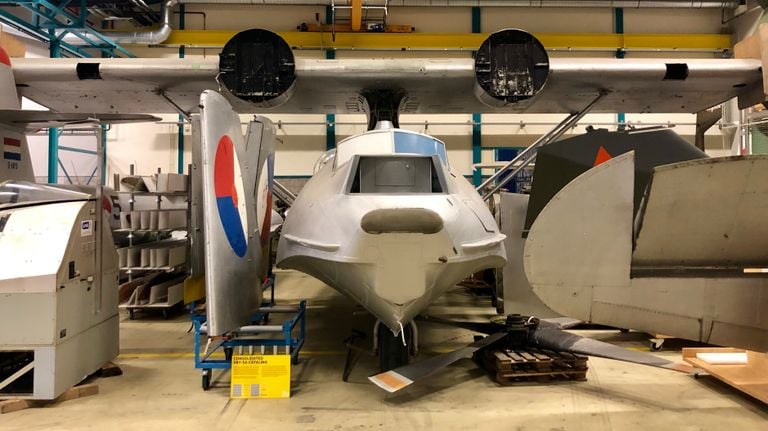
(525, 157)
(174, 105)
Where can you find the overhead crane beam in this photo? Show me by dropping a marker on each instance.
(464, 41)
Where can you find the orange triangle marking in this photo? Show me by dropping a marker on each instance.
(602, 156)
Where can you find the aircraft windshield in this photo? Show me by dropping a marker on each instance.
(411, 143)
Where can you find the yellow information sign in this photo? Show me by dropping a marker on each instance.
(261, 376)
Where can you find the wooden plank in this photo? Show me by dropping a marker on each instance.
(81, 391)
(515, 356)
(75, 392)
(10, 406)
(501, 357)
(750, 378)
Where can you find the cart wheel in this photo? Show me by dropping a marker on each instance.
(165, 314)
(228, 354)
(206, 378)
(130, 314)
(655, 345)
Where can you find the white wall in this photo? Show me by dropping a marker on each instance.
(150, 147)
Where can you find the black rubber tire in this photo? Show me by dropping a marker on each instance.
(392, 353)
(206, 381)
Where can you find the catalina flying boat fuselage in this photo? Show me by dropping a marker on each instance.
(387, 223)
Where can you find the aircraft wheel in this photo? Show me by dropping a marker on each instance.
(392, 353)
(206, 383)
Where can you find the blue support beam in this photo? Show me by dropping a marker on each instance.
(77, 150)
(477, 136)
(477, 149)
(53, 133)
(330, 119)
(48, 19)
(35, 31)
(618, 28)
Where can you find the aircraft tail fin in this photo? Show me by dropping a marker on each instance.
(261, 132)
(232, 227)
(15, 163)
(9, 97)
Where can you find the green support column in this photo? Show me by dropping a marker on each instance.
(618, 27)
(53, 133)
(477, 137)
(330, 119)
(180, 157)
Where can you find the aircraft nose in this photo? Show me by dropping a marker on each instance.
(401, 220)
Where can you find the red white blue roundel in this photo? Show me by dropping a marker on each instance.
(230, 197)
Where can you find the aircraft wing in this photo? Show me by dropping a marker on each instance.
(33, 120)
(502, 78)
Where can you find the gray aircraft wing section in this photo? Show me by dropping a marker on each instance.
(705, 214)
(427, 85)
(233, 252)
(33, 120)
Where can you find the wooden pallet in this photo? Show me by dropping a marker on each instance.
(531, 364)
(84, 389)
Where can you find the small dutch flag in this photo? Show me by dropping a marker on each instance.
(11, 149)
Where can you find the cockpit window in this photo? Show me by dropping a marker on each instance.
(411, 143)
(396, 175)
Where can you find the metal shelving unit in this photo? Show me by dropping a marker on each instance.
(151, 266)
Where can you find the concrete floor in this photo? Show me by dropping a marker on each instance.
(160, 389)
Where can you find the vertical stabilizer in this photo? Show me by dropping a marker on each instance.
(261, 133)
(15, 163)
(231, 166)
(9, 98)
(14, 153)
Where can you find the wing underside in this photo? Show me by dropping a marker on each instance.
(510, 72)
(428, 85)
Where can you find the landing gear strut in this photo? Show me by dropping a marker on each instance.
(392, 352)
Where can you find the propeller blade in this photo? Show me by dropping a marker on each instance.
(563, 322)
(399, 378)
(553, 338)
(481, 327)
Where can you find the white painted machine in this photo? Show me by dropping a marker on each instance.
(58, 296)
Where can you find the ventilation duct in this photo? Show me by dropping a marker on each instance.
(136, 38)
